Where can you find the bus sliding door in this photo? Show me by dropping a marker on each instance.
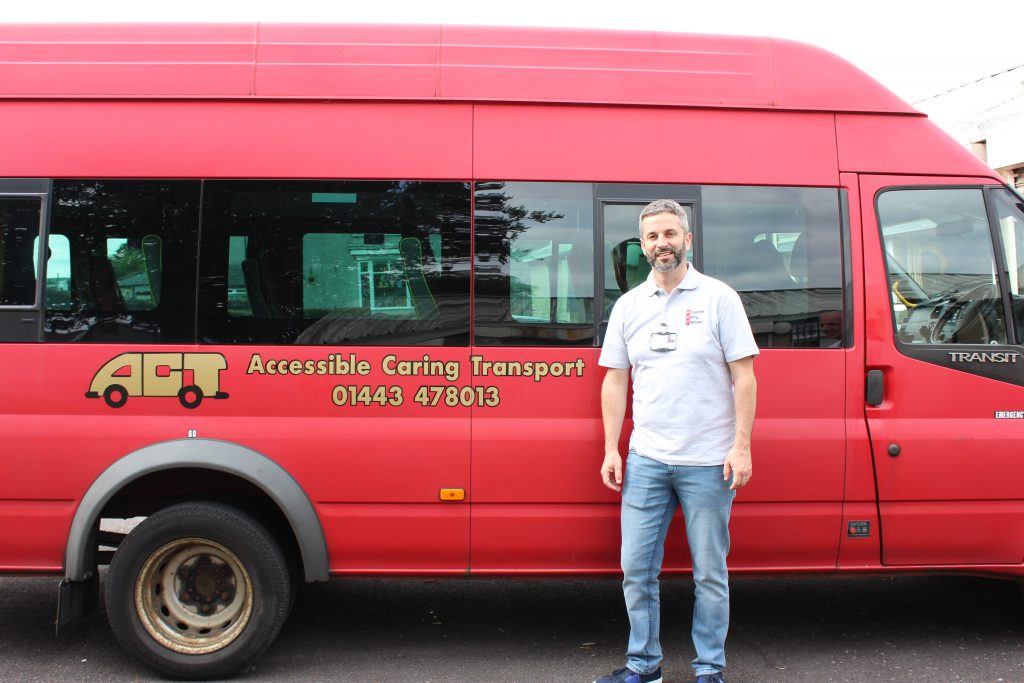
(945, 368)
(551, 259)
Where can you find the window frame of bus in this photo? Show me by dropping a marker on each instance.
(172, 319)
(491, 328)
(494, 323)
(911, 349)
(1016, 322)
(813, 234)
(217, 326)
(687, 195)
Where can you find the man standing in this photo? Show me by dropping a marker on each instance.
(685, 339)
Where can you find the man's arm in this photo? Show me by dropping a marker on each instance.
(613, 411)
(744, 387)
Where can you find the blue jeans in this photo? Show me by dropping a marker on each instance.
(651, 493)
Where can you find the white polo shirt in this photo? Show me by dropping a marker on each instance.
(683, 410)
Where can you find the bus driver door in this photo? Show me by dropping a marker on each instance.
(945, 380)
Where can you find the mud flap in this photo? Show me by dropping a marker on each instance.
(75, 600)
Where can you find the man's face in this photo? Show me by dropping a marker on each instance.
(831, 324)
(664, 242)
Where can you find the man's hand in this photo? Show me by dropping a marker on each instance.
(739, 465)
(611, 471)
(744, 390)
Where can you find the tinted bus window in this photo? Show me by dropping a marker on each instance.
(942, 276)
(121, 265)
(1010, 216)
(335, 262)
(781, 249)
(625, 265)
(58, 273)
(19, 231)
(534, 263)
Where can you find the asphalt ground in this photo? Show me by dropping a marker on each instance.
(817, 629)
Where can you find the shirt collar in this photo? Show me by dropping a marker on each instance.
(689, 281)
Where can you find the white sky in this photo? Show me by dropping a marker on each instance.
(918, 48)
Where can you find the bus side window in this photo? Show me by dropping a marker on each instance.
(1010, 216)
(944, 287)
(19, 234)
(122, 261)
(137, 265)
(781, 249)
(625, 265)
(335, 262)
(58, 272)
(534, 263)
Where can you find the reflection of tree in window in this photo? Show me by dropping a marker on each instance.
(534, 256)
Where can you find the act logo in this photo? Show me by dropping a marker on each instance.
(189, 376)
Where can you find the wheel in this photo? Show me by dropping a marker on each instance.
(190, 396)
(970, 311)
(115, 395)
(198, 590)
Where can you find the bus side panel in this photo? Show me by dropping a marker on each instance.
(539, 504)
(372, 463)
(654, 145)
(901, 144)
(41, 549)
(538, 500)
(236, 139)
(789, 514)
(948, 468)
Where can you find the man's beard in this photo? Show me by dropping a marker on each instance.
(665, 266)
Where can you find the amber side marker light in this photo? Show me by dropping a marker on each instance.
(453, 494)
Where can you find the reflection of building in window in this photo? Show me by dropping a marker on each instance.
(362, 270)
(542, 287)
(384, 284)
(136, 291)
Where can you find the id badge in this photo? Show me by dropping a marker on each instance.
(663, 341)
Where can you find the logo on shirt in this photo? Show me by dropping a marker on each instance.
(694, 317)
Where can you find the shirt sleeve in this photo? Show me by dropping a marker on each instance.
(734, 331)
(614, 353)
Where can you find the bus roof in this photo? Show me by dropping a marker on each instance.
(446, 63)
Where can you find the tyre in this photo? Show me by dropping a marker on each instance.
(115, 395)
(190, 396)
(198, 590)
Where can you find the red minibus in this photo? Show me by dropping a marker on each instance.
(320, 301)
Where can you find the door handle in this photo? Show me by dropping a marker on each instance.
(874, 392)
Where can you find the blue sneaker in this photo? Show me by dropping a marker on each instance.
(627, 675)
(716, 677)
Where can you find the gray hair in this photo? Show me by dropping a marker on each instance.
(659, 206)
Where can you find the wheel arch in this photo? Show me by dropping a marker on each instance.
(223, 456)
